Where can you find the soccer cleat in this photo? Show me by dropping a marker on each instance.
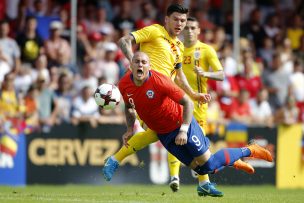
(109, 168)
(242, 165)
(259, 152)
(209, 189)
(174, 184)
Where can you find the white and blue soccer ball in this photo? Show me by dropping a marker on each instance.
(107, 96)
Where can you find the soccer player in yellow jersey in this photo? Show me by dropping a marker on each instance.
(200, 63)
(197, 59)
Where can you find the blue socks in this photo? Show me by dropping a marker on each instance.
(222, 158)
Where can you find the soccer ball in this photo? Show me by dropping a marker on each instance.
(107, 96)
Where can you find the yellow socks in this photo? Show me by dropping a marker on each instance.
(202, 179)
(174, 165)
(136, 142)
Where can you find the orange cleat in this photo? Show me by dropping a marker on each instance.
(242, 165)
(259, 152)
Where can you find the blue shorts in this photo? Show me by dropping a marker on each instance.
(197, 143)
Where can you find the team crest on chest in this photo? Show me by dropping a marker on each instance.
(197, 55)
(150, 94)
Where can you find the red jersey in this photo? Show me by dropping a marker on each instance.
(241, 109)
(252, 85)
(156, 101)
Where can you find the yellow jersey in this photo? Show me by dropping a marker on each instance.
(8, 103)
(165, 52)
(295, 35)
(202, 55)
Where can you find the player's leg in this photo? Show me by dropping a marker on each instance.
(177, 151)
(204, 162)
(197, 144)
(204, 183)
(209, 163)
(184, 155)
(174, 165)
(136, 143)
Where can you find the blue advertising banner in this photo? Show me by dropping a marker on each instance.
(12, 159)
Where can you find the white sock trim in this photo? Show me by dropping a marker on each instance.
(172, 177)
(113, 158)
(201, 183)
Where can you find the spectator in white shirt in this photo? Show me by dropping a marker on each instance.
(84, 108)
(23, 79)
(296, 82)
(88, 77)
(57, 49)
(261, 110)
(9, 50)
(108, 67)
(40, 68)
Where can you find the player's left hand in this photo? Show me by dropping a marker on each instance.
(202, 97)
(199, 71)
(181, 138)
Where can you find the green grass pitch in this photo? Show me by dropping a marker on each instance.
(144, 193)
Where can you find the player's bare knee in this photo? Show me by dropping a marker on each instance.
(202, 159)
(193, 164)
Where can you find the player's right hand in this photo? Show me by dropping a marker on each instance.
(126, 137)
(181, 138)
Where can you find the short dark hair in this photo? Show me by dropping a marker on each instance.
(190, 18)
(4, 21)
(176, 8)
(30, 17)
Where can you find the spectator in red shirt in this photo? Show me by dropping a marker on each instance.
(227, 92)
(241, 111)
(248, 81)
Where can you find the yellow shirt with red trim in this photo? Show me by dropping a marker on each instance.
(165, 52)
(8, 103)
(203, 55)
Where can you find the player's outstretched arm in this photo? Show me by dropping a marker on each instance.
(187, 109)
(130, 120)
(125, 44)
(216, 75)
(182, 82)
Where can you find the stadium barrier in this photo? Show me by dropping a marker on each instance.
(69, 154)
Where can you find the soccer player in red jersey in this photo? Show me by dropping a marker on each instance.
(167, 110)
(165, 50)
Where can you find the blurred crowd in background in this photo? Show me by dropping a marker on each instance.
(40, 87)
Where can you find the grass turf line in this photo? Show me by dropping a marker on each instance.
(144, 193)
